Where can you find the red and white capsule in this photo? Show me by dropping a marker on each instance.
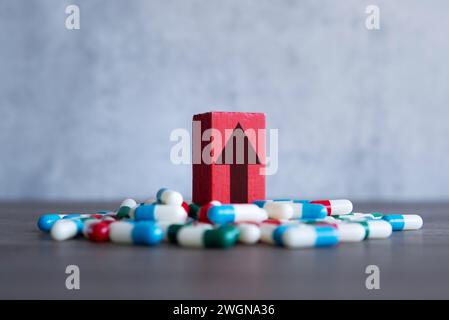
(336, 207)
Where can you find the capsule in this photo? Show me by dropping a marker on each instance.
(160, 212)
(373, 216)
(336, 207)
(301, 209)
(221, 214)
(64, 229)
(194, 209)
(203, 235)
(86, 226)
(46, 221)
(305, 236)
(351, 232)
(98, 231)
(125, 209)
(146, 233)
(376, 229)
(358, 215)
(401, 222)
(267, 228)
(169, 197)
(249, 232)
(202, 212)
(278, 210)
(186, 207)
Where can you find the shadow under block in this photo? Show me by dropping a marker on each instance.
(227, 165)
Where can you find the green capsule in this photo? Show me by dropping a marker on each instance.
(172, 232)
(222, 237)
(193, 210)
(123, 212)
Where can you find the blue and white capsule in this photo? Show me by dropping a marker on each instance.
(400, 222)
(160, 212)
(170, 197)
(146, 233)
(304, 236)
(46, 221)
(301, 209)
(221, 214)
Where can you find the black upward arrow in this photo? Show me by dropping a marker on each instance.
(238, 160)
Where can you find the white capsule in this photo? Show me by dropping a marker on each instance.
(169, 197)
(249, 233)
(120, 232)
(278, 210)
(65, 229)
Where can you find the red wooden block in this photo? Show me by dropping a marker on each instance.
(228, 157)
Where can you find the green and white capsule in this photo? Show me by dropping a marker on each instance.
(203, 235)
(376, 229)
(170, 197)
(351, 232)
(373, 216)
(126, 208)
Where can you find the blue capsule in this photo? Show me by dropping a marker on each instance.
(146, 233)
(46, 221)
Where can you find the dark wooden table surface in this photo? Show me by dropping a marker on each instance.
(412, 264)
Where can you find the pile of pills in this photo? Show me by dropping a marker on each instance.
(281, 222)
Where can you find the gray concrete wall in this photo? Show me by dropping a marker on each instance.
(87, 114)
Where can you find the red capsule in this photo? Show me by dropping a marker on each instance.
(99, 232)
(186, 207)
(272, 221)
(96, 216)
